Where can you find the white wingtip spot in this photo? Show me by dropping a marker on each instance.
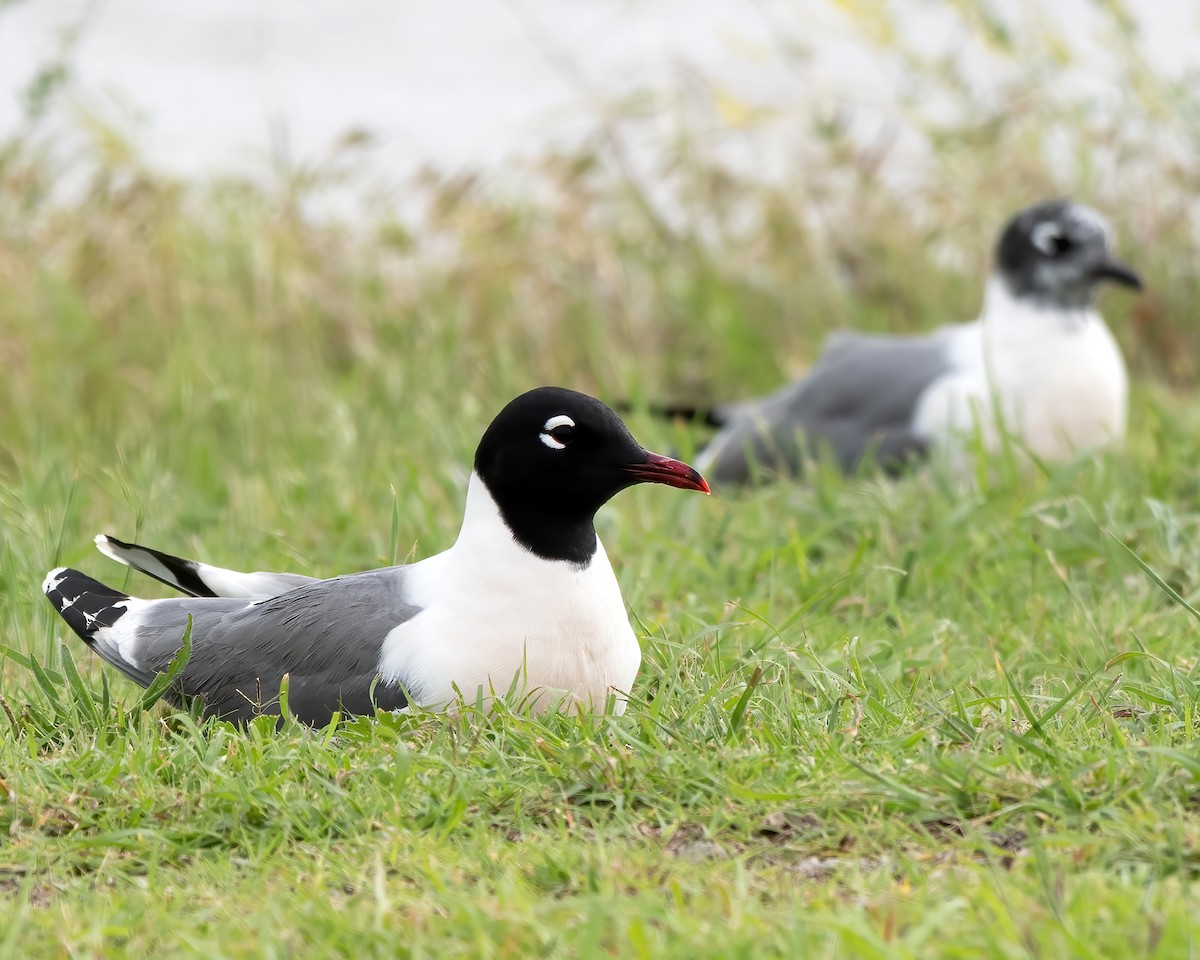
(104, 545)
(53, 579)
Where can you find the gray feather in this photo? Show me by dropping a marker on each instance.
(240, 652)
(858, 399)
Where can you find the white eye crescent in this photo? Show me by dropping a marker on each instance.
(557, 432)
(1048, 237)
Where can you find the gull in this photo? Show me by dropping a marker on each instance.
(1039, 364)
(525, 600)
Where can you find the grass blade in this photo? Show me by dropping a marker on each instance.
(51, 689)
(162, 682)
(1157, 580)
(26, 660)
(82, 696)
(739, 709)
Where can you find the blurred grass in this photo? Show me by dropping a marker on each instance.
(874, 719)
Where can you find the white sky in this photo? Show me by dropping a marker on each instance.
(463, 82)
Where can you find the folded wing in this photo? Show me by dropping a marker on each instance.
(858, 400)
(326, 636)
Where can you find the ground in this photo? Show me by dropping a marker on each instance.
(875, 718)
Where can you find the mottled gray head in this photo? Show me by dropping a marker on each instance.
(1056, 253)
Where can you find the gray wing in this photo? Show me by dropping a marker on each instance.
(326, 635)
(858, 399)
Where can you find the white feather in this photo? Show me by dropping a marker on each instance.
(53, 579)
(122, 637)
(496, 614)
(1053, 378)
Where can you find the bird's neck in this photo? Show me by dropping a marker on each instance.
(1006, 314)
(529, 526)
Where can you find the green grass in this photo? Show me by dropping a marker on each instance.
(874, 719)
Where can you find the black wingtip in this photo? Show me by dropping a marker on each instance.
(84, 603)
(175, 572)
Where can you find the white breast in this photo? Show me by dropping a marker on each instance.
(1055, 379)
(496, 615)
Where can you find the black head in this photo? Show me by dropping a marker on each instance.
(553, 457)
(1056, 254)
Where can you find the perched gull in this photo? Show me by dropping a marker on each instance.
(1039, 361)
(524, 600)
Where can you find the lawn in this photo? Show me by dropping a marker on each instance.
(912, 718)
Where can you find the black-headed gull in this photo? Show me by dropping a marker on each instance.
(525, 598)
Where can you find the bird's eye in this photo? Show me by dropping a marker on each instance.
(1050, 239)
(558, 432)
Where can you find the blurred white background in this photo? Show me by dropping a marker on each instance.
(208, 85)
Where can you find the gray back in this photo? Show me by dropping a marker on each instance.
(858, 399)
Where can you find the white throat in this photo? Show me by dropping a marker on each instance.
(1005, 315)
(494, 612)
(1052, 378)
